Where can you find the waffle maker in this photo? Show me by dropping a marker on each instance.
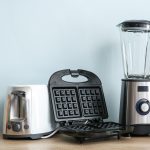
(79, 107)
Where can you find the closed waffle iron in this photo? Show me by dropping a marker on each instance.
(79, 107)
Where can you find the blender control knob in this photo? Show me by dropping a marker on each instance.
(143, 106)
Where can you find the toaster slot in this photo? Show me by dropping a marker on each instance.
(18, 106)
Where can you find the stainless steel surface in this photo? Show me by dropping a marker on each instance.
(129, 99)
(28, 112)
(18, 112)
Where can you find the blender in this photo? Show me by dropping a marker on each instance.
(135, 92)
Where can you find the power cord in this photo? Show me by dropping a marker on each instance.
(51, 134)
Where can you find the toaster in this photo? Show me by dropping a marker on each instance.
(27, 112)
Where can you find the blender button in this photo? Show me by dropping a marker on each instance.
(26, 126)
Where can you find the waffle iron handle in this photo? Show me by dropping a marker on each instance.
(57, 76)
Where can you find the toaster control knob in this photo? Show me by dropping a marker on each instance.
(16, 127)
(143, 107)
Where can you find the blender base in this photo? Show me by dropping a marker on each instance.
(135, 106)
(137, 130)
(141, 130)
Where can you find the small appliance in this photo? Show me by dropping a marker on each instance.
(135, 93)
(27, 112)
(80, 107)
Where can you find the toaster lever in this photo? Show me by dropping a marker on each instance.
(18, 93)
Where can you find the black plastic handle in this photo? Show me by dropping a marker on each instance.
(57, 76)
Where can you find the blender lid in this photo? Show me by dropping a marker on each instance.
(135, 25)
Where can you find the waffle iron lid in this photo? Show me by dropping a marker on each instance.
(77, 100)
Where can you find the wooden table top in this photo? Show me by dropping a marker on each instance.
(61, 142)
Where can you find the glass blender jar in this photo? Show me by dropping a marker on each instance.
(135, 48)
(135, 93)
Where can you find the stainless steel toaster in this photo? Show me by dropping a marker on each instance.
(28, 112)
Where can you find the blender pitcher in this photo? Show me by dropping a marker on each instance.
(135, 48)
(135, 92)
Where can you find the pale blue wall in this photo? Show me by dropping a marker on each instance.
(39, 37)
